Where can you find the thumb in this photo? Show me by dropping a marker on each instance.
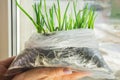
(7, 62)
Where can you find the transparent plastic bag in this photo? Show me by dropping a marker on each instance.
(77, 49)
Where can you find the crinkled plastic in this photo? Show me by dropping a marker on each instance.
(77, 49)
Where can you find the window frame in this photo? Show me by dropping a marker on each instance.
(12, 28)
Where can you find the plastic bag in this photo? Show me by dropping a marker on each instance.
(77, 49)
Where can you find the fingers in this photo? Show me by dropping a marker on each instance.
(7, 62)
(54, 72)
(51, 74)
(77, 75)
(43, 73)
(73, 76)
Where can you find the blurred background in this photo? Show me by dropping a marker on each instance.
(16, 28)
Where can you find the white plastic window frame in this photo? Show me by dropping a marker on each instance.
(13, 29)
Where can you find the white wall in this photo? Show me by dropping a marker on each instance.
(26, 26)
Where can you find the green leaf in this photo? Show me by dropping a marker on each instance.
(82, 18)
(51, 10)
(27, 15)
(47, 15)
(65, 13)
(59, 15)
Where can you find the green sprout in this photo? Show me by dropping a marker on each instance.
(45, 22)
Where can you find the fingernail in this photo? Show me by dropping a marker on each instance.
(67, 71)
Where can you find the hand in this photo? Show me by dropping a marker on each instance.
(4, 64)
(51, 74)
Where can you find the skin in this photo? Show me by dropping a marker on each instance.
(4, 64)
(42, 73)
(51, 74)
